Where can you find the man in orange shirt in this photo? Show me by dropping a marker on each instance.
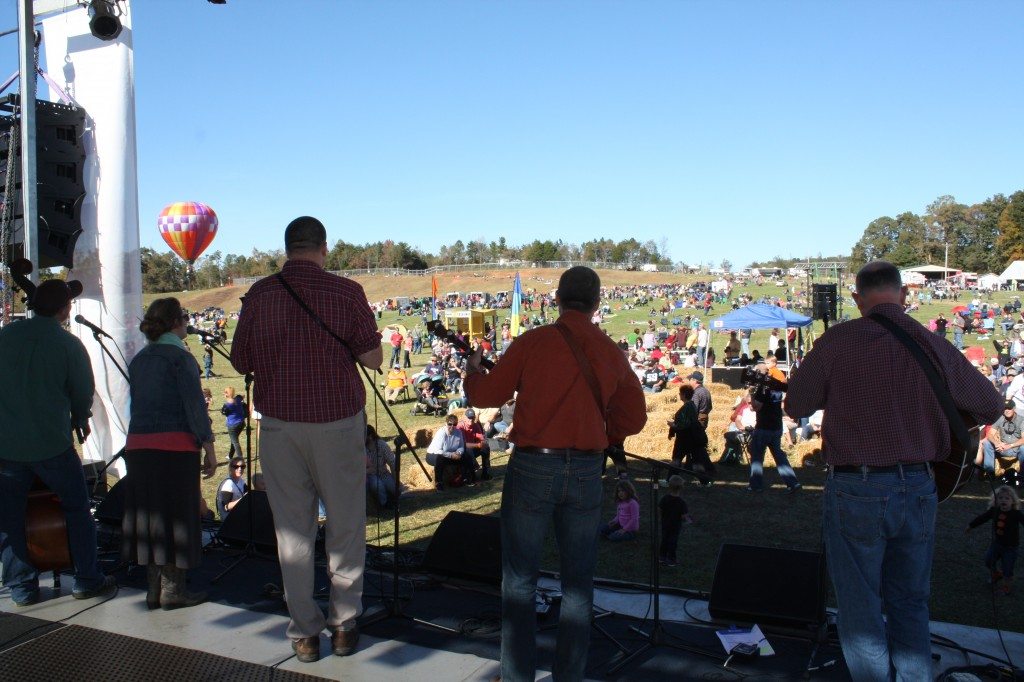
(564, 423)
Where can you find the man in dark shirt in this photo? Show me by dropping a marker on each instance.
(940, 325)
(701, 398)
(311, 397)
(46, 392)
(883, 425)
(767, 405)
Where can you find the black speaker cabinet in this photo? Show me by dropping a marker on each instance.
(730, 376)
(772, 587)
(111, 509)
(234, 531)
(825, 297)
(466, 546)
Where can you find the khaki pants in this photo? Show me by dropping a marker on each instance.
(301, 462)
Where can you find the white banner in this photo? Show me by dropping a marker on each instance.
(99, 76)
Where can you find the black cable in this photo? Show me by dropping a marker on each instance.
(4, 644)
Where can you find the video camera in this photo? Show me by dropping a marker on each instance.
(759, 381)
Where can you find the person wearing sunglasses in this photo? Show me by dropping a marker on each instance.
(231, 489)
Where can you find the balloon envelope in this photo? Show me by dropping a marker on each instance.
(188, 227)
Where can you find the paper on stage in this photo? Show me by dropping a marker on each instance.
(753, 636)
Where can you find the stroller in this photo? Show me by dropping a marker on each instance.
(430, 397)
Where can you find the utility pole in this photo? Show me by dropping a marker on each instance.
(27, 68)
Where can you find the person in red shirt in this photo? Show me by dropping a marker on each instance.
(476, 443)
(564, 423)
(312, 400)
(396, 347)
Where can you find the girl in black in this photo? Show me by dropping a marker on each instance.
(1006, 516)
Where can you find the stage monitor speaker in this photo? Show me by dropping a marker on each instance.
(730, 376)
(466, 546)
(825, 301)
(111, 509)
(769, 586)
(234, 531)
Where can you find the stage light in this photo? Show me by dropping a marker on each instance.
(104, 23)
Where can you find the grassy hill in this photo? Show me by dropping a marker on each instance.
(380, 287)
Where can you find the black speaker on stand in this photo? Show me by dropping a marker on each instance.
(825, 297)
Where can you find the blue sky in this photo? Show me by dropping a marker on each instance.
(738, 130)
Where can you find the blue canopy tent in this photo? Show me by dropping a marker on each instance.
(761, 316)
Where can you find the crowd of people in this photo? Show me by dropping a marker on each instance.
(561, 397)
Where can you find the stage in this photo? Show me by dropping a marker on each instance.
(241, 635)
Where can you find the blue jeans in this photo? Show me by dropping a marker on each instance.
(235, 450)
(701, 355)
(381, 487)
(879, 539)
(989, 462)
(761, 440)
(745, 347)
(958, 338)
(539, 489)
(63, 475)
(1001, 557)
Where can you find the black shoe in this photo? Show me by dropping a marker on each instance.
(792, 489)
(754, 490)
(486, 477)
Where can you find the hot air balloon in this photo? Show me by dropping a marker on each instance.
(188, 227)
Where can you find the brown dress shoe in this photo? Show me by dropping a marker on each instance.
(343, 642)
(307, 649)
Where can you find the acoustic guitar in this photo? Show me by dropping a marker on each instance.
(956, 470)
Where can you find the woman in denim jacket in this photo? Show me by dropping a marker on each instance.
(169, 426)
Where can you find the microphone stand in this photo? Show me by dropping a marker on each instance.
(250, 550)
(392, 608)
(657, 635)
(101, 474)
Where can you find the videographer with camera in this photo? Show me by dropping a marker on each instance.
(768, 387)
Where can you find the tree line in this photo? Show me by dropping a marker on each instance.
(983, 237)
(164, 272)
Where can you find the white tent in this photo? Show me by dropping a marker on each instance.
(1014, 271)
(989, 281)
(911, 277)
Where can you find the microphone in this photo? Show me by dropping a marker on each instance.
(203, 333)
(95, 330)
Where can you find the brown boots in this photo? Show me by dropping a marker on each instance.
(174, 592)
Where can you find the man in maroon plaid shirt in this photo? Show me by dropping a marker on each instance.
(882, 428)
(311, 396)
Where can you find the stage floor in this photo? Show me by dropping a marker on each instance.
(242, 636)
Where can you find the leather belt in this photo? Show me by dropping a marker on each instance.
(561, 452)
(892, 469)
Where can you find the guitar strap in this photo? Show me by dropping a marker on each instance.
(585, 368)
(945, 398)
(316, 318)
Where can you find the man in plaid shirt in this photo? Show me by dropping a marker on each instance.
(309, 391)
(882, 428)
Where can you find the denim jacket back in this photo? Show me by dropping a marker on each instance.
(166, 394)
